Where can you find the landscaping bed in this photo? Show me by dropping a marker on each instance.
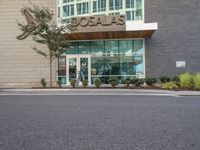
(181, 82)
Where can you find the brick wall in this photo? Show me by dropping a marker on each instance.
(178, 36)
(19, 64)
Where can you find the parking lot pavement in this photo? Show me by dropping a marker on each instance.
(126, 122)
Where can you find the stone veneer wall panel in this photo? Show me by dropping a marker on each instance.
(19, 64)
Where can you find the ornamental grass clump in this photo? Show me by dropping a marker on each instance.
(196, 80)
(186, 80)
(169, 85)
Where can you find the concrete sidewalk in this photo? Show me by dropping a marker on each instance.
(100, 91)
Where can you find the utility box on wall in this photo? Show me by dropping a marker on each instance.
(180, 64)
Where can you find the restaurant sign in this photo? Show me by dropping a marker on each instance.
(98, 20)
(98, 23)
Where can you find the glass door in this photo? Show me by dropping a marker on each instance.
(84, 68)
(78, 68)
(72, 68)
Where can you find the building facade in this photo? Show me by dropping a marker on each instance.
(143, 39)
(109, 40)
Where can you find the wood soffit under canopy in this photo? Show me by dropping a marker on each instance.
(109, 35)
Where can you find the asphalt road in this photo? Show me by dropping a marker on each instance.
(99, 123)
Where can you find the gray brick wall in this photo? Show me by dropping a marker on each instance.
(19, 64)
(178, 36)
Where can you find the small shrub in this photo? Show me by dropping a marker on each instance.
(113, 81)
(85, 83)
(164, 79)
(169, 85)
(176, 80)
(134, 80)
(141, 82)
(43, 82)
(59, 83)
(97, 83)
(150, 81)
(186, 80)
(73, 83)
(196, 81)
(127, 81)
(138, 82)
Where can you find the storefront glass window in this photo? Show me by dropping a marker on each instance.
(82, 8)
(126, 47)
(97, 48)
(115, 4)
(111, 48)
(133, 9)
(126, 66)
(64, 11)
(99, 5)
(130, 15)
(73, 48)
(62, 69)
(62, 66)
(58, 12)
(138, 57)
(138, 45)
(114, 13)
(121, 58)
(139, 10)
(70, 10)
(97, 67)
(84, 47)
(68, 1)
(112, 65)
(129, 3)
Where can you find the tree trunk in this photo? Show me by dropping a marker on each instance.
(50, 73)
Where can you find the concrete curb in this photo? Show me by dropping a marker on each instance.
(71, 89)
(99, 92)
